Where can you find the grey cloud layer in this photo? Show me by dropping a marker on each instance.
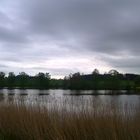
(50, 28)
(97, 25)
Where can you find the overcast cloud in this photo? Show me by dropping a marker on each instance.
(66, 36)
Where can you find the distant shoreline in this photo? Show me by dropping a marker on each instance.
(78, 93)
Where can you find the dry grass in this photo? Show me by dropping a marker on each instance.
(99, 122)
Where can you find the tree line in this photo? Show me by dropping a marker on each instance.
(23, 80)
(112, 80)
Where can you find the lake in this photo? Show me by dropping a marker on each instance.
(60, 97)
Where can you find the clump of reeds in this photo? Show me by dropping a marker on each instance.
(97, 122)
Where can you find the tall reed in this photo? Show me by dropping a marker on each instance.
(95, 122)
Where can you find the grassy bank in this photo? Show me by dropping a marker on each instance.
(97, 122)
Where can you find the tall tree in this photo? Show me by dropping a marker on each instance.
(11, 80)
(2, 79)
(23, 79)
(95, 78)
(42, 80)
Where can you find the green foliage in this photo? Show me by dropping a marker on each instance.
(137, 82)
(2, 79)
(11, 80)
(22, 79)
(112, 80)
(42, 80)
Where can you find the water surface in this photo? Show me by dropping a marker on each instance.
(33, 96)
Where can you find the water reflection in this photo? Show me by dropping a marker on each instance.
(1, 97)
(11, 92)
(61, 97)
(42, 92)
(23, 92)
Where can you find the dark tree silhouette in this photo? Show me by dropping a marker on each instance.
(113, 72)
(95, 79)
(11, 80)
(95, 72)
(23, 79)
(112, 80)
(137, 83)
(42, 80)
(2, 81)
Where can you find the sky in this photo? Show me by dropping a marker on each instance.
(68, 36)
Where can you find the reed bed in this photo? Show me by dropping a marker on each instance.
(19, 121)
